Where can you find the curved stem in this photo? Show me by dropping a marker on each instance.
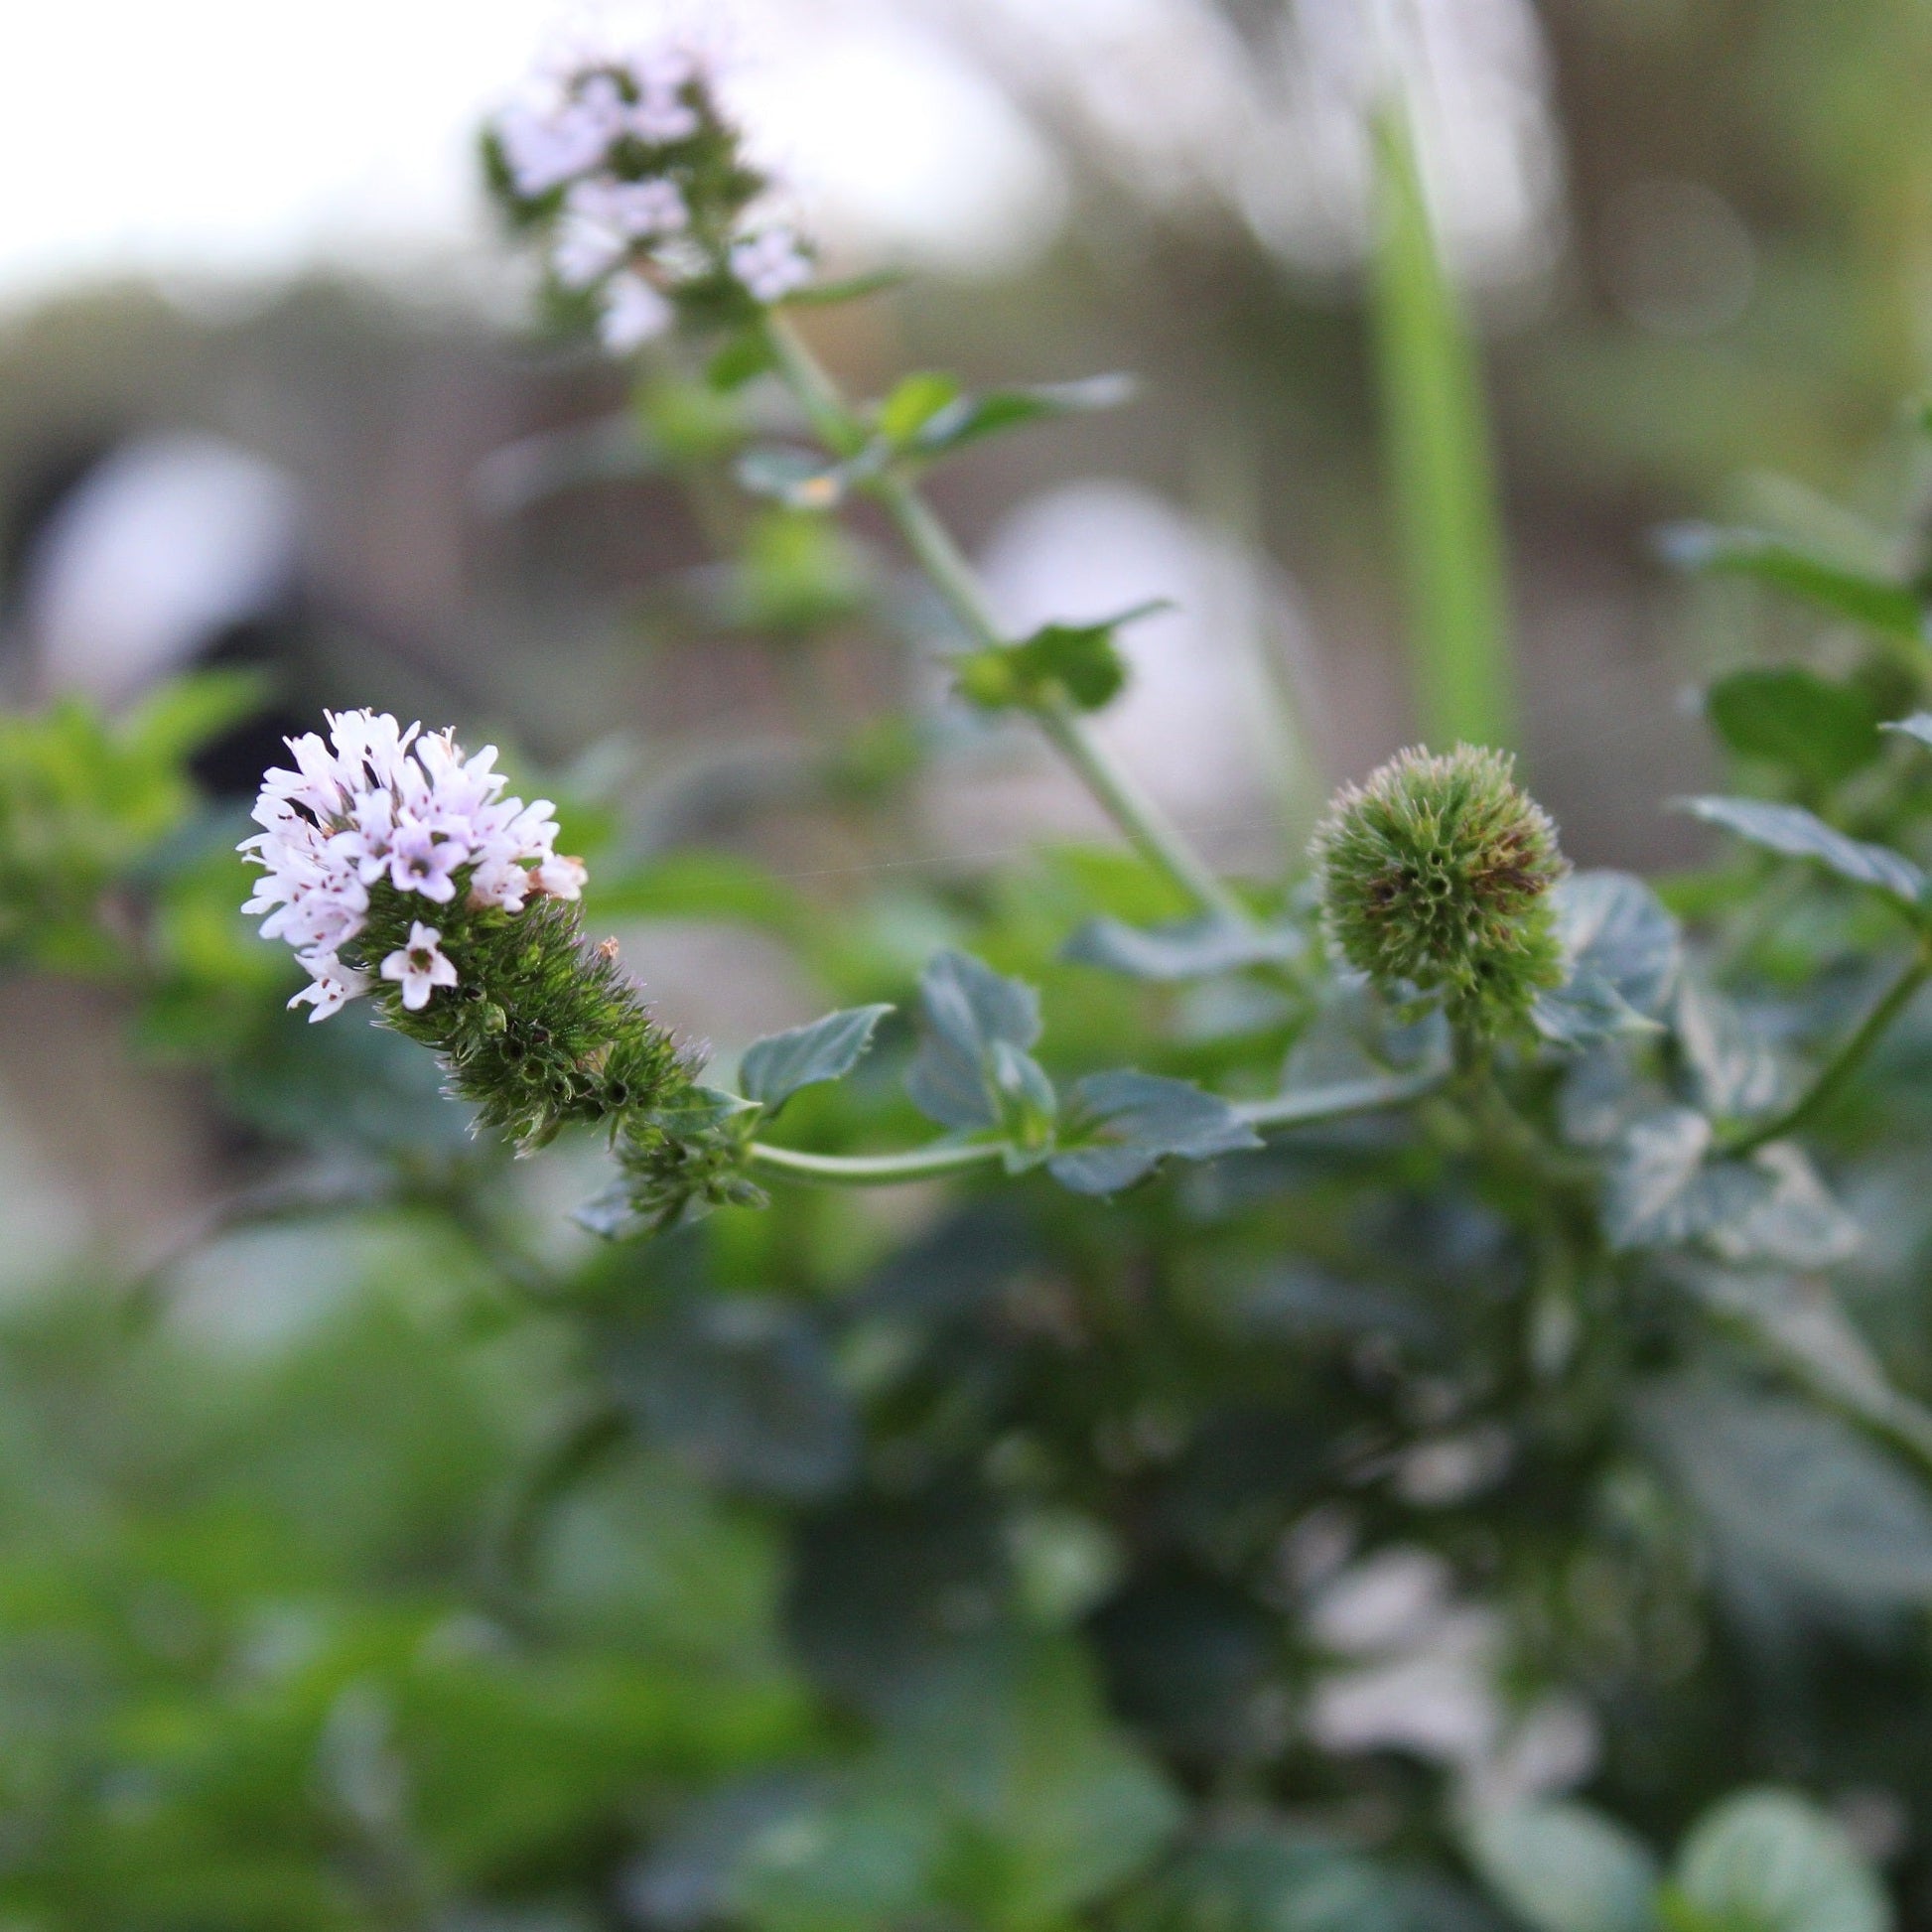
(874, 1170)
(1147, 827)
(1844, 1063)
(1339, 1100)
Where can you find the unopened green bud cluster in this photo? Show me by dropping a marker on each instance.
(541, 1028)
(1436, 879)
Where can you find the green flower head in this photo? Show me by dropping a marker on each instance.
(1436, 878)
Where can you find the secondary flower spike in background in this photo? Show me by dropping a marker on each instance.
(627, 164)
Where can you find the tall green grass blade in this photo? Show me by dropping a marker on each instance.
(1441, 466)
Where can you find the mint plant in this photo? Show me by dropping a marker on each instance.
(1390, 1392)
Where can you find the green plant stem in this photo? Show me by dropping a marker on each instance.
(1147, 827)
(874, 1170)
(1340, 1100)
(1843, 1065)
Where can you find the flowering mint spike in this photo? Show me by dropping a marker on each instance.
(624, 160)
(378, 828)
(1436, 879)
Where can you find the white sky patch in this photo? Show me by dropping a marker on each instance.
(226, 138)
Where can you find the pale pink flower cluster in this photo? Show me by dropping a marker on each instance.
(381, 803)
(627, 236)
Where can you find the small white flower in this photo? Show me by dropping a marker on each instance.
(546, 146)
(637, 210)
(388, 809)
(419, 967)
(562, 876)
(634, 313)
(661, 116)
(771, 265)
(422, 862)
(332, 988)
(584, 253)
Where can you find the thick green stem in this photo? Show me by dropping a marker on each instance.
(874, 1170)
(1151, 833)
(1340, 1100)
(1832, 1077)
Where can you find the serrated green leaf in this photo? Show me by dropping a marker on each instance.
(1796, 1490)
(970, 419)
(1891, 608)
(972, 1067)
(1563, 1867)
(1122, 1125)
(776, 1067)
(1771, 1861)
(1077, 664)
(1623, 949)
(1793, 718)
(1667, 1189)
(1799, 834)
(1183, 950)
(1731, 1067)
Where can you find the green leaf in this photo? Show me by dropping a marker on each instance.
(1121, 1126)
(776, 1067)
(1871, 600)
(1798, 1319)
(961, 420)
(1667, 1189)
(914, 404)
(1793, 718)
(1442, 467)
(745, 357)
(848, 288)
(1185, 949)
(1731, 1067)
(1623, 949)
(973, 1069)
(1563, 1867)
(1259, 1877)
(853, 1863)
(1062, 662)
(739, 1388)
(1769, 1862)
(1052, 1806)
(181, 717)
(1796, 1492)
(1799, 834)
